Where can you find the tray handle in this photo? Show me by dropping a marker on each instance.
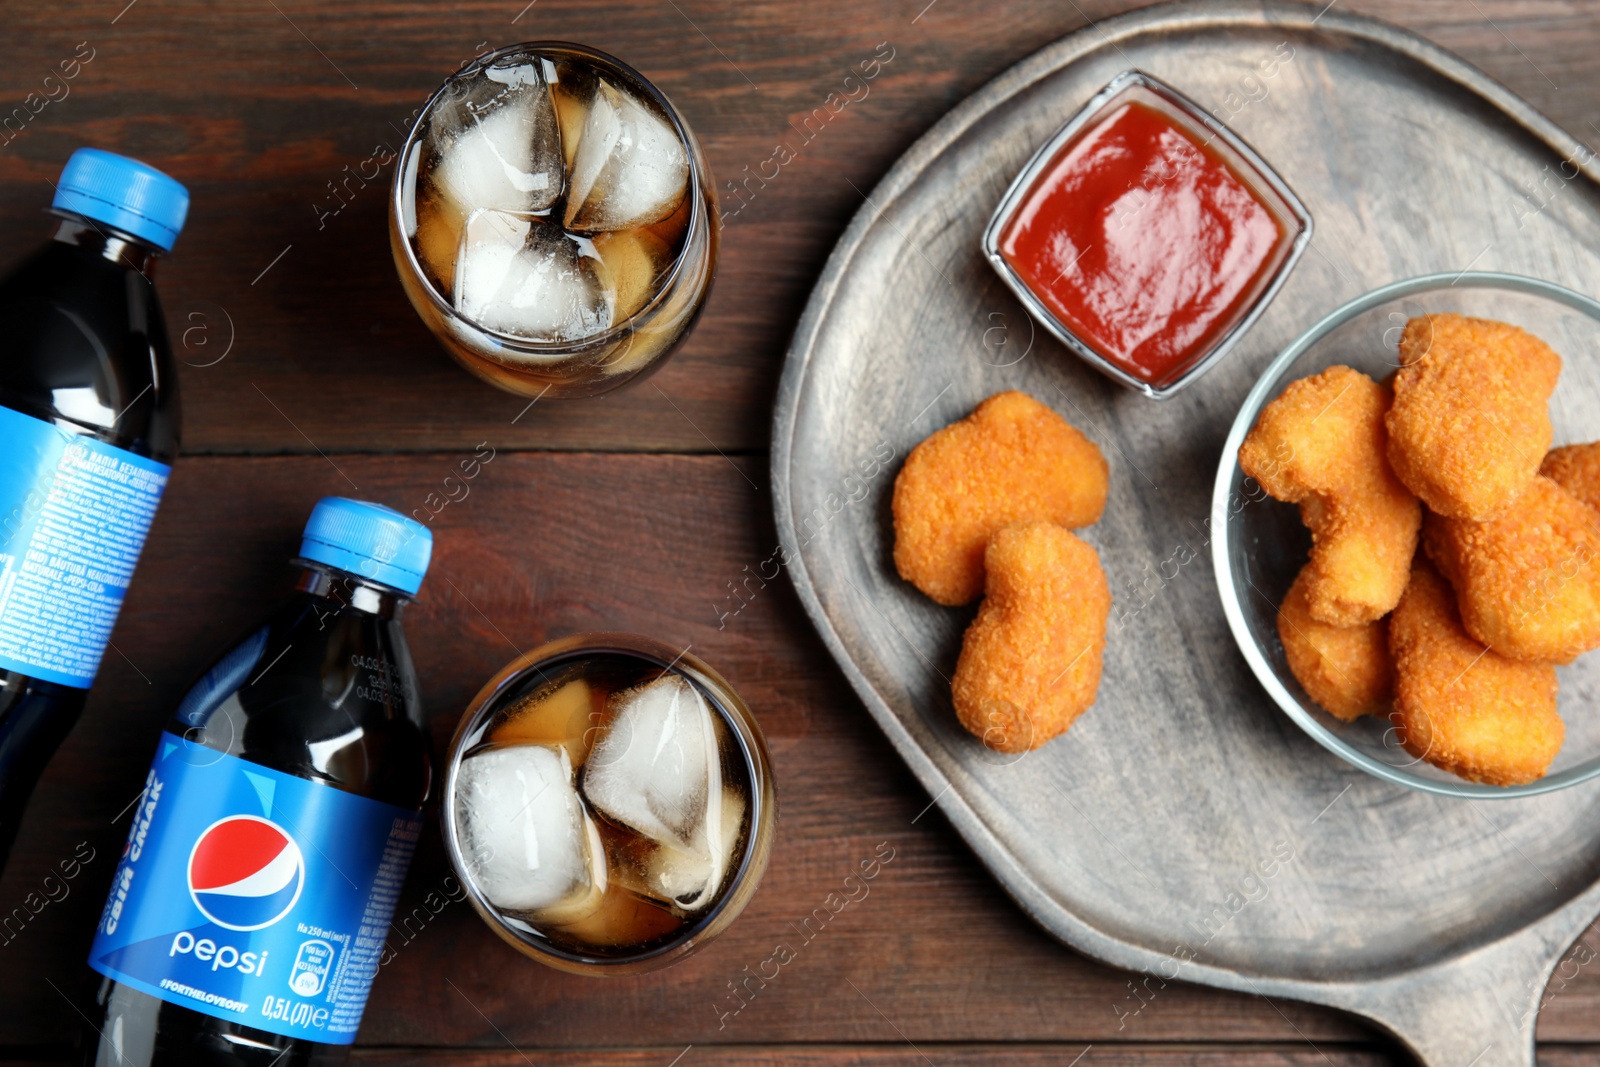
(1478, 1009)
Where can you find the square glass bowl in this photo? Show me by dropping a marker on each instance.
(1219, 144)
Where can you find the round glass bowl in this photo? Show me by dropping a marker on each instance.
(590, 365)
(1263, 543)
(522, 677)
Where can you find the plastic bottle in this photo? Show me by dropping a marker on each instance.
(88, 431)
(248, 912)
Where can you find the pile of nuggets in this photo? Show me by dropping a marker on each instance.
(1457, 644)
(987, 506)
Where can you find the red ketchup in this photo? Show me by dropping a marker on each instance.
(1144, 242)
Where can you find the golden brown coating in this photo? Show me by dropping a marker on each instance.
(1030, 662)
(1464, 707)
(1012, 460)
(1471, 416)
(1345, 669)
(1322, 444)
(1576, 468)
(1528, 583)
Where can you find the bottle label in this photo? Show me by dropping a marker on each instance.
(73, 516)
(254, 896)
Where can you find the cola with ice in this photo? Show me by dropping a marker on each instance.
(552, 220)
(606, 805)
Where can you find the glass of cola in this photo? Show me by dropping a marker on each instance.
(608, 804)
(553, 220)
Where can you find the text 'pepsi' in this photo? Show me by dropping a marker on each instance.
(247, 916)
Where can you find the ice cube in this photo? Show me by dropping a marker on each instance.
(641, 346)
(571, 87)
(657, 769)
(630, 168)
(438, 240)
(571, 113)
(631, 260)
(562, 712)
(670, 229)
(528, 278)
(691, 879)
(530, 845)
(499, 145)
(623, 918)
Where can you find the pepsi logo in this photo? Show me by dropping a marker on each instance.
(245, 872)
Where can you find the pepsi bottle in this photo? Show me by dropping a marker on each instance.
(248, 912)
(88, 430)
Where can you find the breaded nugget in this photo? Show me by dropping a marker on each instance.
(1011, 460)
(1030, 662)
(1471, 414)
(1321, 444)
(1345, 669)
(1576, 468)
(1464, 707)
(1528, 583)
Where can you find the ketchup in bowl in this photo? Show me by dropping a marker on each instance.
(1146, 235)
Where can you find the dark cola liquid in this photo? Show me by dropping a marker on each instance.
(325, 691)
(85, 349)
(496, 203)
(573, 704)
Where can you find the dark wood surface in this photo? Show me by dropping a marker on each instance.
(635, 511)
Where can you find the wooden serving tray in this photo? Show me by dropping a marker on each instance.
(1185, 828)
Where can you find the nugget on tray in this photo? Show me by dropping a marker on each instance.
(1346, 669)
(1464, 707)
(1576, 468)
(1528, 583)
(1030, 663)
(1471, 419)
(1012, 460)
(1321, 444)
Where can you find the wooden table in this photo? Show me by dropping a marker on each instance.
(307, 373)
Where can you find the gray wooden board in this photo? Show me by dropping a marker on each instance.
(1152, 835)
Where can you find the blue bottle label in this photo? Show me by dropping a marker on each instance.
(74, 513)
(254, 896)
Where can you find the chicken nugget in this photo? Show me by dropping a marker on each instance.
(1464, 707)
(1528, 583)
(1011, 460)
(1345, 669)
(1030, 662)
(1471, 414)
(1576, 468)
(1322, 444)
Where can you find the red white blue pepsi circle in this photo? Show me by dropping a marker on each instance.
(245, 872)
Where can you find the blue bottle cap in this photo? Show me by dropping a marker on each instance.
(135, 198)
(369, 540)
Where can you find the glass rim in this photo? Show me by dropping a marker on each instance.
(412, 145)
(1228, 590)
(1011, 202)
(740, 721)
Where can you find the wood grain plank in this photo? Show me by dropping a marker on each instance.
(965, 1055)
(260, 110)
(543, 545)
(906, 1055)
(945, 1055)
